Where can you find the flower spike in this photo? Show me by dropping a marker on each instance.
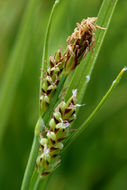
(51, 142)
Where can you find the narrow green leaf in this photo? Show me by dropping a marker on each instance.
(82, 128)
(46, 41)
(33, 179)
(41, 183)
(32, 157)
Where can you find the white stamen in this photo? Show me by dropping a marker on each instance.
(57, 1)
(74, 115)
(87, 78)
(125, 68)
(113, 82)
(65, 125)
(56, 163)
(46, 152)
(79, 105)
(74, 92)
(41, 97)
(49, 78)
(61, 120)
(51, 135)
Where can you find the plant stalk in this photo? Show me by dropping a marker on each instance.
(32, 158)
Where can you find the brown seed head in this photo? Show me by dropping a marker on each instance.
(80, 42)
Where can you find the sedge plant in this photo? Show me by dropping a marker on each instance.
(58, 114)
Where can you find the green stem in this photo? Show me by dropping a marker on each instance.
(41, 183)
(37, 182)
(32, 158)
(46, 42)
(33, 179)
(85, 124)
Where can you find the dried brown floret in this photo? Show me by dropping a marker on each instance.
(80, 42)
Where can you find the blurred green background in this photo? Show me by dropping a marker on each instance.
(98, 160)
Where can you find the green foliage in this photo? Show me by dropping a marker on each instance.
(98, 160)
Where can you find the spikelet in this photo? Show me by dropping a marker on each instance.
(80, 42)
(51, 143)
(50, 79)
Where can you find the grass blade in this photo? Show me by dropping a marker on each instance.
(46, 41)
(98, 107)
(32, 158)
